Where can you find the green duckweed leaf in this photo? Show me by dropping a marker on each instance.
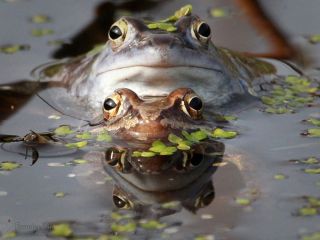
(174, 138)
(184, 11)
(277, 110)
(61, 230)
(40, 19)
(220, 133)
(136, 154)
(79, 161)
(148, 154)
(313, 202)
(163, 26)
(312, 170)
(168, 151)
(204, 237)
(313, 132)
(117, 216)
(9, 166)
(111, 237)
(129, 227)
(314, 38)
(40, 32)
(104, 137)
(268, 100)
(152, 224)
(314, 236)
(63, 130)
(188, 136)
(13, 48)
(171, 205)
(59, 194)
(243, 201)
(81, 144)
(184, 145)
(84, 135)
(279, 176)
(310, 160)
(157, 146)
(199, 135)
(218, 12)
(307, 211)
(314, 121)
(9, 235)
(230, 118)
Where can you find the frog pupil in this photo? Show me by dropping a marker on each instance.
(196, 103)
(109, 104)
(204, 30)
(119, 202)
(115, 32)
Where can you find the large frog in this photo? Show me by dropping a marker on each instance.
(153, 61)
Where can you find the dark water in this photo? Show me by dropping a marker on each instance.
(251, 161)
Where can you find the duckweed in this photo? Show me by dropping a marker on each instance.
(117, 216)
(279, 177)
(314, 38)
(314, 236)
(183, 11)
(307, 211)
(61, 230)
(9, 166)
(81, 144)
(40, 19)
(204, 237)
(128, 227)
(243, 201)
(312, 170)
(163, 26)
(79, 161)
(218, 12)
(296, 92)
(41, 32)
(148, 154)
(8, 235)
(104, 137)
(220, 133)
(59, 194)
(313, 132)
(152, 224)
(63, 130)
(84, 135)
(13, 48)
(314, 121)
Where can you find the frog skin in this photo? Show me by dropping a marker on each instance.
(147, 119)
(155, 61)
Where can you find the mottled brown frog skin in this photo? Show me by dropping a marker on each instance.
(155, 62)
(151, 118)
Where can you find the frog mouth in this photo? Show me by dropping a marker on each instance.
(160, 67)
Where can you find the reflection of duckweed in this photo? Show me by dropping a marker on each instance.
(63, 130)
(117, 216)
(9, 166)
(61, 230)
(204, 237)
(152, 224)
(296, 92)
(127, 227)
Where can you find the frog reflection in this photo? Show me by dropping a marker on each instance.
(148, 184)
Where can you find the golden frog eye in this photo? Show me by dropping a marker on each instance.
(201, 31)
(111, 106)
(192, 106)
(117, 32)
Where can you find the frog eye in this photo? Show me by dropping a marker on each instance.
(121, 202)
(111, 106)
(117, 32)
(193, 106)
(201, 31)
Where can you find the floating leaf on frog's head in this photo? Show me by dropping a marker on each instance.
(184, 11)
